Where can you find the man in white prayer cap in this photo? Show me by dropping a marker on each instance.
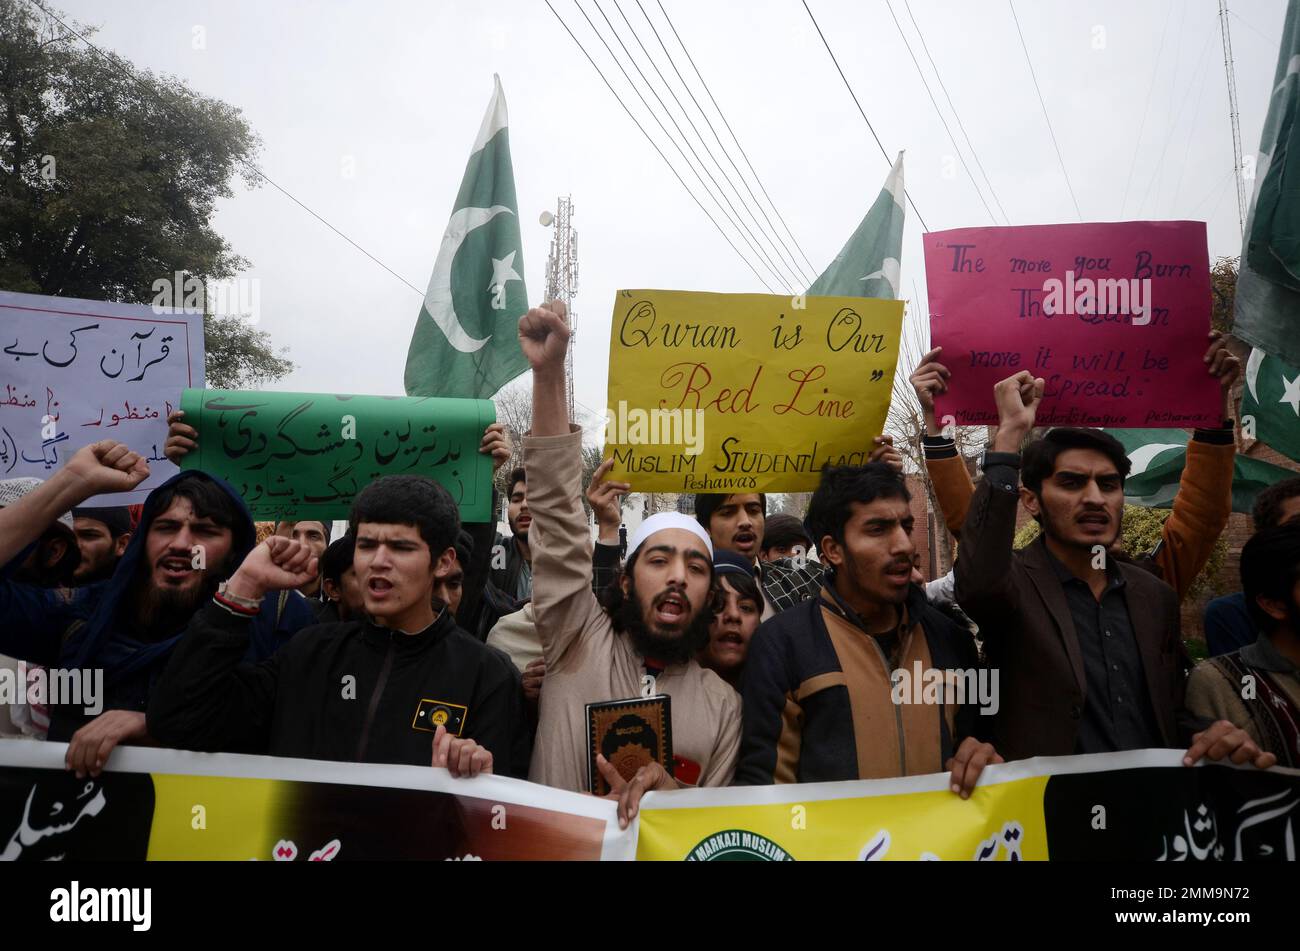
(643, 640)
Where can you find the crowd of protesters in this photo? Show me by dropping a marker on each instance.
(415, 639)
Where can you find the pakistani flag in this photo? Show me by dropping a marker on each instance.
(1158, 457)
(868, 264)
(1271, 403)
(466, 340)
(1267, 309)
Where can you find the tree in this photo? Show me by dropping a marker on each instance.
(789, 503)
(1223, 286)
(111, 178)
(239, 357)
(514, 403)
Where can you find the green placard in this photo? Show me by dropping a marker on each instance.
(307, 455)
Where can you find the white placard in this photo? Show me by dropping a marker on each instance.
(73, 372)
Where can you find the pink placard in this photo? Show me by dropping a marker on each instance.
(1113, 316)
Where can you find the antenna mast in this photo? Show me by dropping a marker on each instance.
(1231, 70)
(562, 278)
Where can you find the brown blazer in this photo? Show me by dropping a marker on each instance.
(1024, 619)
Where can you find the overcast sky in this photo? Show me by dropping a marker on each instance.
(399, 89)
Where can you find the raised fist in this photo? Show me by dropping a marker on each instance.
(106, 466)
(278, 564)
(1017, 399)
(544, 335)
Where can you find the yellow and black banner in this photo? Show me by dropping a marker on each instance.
(166, 804)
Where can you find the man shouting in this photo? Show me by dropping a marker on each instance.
(657, 618)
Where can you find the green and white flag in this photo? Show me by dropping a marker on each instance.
(1158, 457)
(869, 263)
(1267, 309)
(466, 340)
(1270, 403)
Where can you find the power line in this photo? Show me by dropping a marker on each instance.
(675, 143)
(861, 110)
(1234, 13)
(663, 129)
(736, 218)
(1137, 143)
(126, 69)
(1042, 103)
(723, 117)
(1219, 201)
(780, 244)
(812, 268)
(1217, 189)
(1173, 89)
(939, 113)
(1187, 97)
(1191, 133)
(988, 181)
(655, 146)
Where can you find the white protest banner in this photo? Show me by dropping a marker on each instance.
(158, 804)
(73, 372)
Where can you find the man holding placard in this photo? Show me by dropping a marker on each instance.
(642, 649)
(1085, 670)
(1200, 509)
(1110, 316)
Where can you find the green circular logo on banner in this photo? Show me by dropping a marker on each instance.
(737, 845)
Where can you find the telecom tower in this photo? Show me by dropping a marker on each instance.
(562, 276)
(1231, 69)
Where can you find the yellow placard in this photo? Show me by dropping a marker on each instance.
(745, 392)
(1001, 822)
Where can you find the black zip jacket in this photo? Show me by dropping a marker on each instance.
(349, 691)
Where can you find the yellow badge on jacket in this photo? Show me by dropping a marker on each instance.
(431, 714)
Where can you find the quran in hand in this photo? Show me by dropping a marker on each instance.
(629, 734)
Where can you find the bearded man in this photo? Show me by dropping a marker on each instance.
(120, 633)
(643, 640)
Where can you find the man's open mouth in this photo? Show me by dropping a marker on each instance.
(1094, 520)
(671, 608)
(744, 539)
(175, 568)
(379, 587)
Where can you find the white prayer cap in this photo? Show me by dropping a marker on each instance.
(11, 490)
(661, 521)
